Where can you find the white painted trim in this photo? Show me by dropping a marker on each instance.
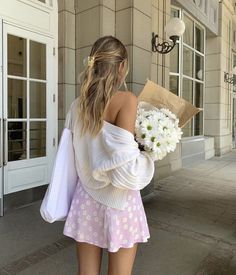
(38, 4)
(12, 12)
(42, 164)
(180, 75)
(1, 124)
(22, 19)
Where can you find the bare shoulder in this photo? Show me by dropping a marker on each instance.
(120, 101)
(127, 94)
(126, 99)
(128, 109)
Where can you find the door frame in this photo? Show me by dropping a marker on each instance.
(51, 111)
(42, 19)
(1, 117)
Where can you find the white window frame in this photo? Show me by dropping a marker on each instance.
(180, 74)
(179, 54)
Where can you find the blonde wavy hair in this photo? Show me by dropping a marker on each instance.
(99, 81)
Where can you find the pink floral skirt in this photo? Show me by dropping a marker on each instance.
(94, 223)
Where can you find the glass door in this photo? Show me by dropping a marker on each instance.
(28, 109)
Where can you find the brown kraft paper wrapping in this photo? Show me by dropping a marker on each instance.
(160, 97)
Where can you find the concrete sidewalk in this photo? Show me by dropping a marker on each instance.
(192, 221)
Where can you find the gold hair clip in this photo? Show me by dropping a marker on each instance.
(90, 61)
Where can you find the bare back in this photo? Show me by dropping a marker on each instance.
(122, 110)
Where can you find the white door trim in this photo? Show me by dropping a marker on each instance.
(1, 119)
(31, 172)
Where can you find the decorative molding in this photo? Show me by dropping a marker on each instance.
(206, 11)
(198, 3)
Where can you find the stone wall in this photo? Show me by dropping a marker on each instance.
(218, 93)
(93, 20)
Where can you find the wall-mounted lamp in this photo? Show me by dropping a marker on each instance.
(200, 75)
(228, 78)
(174, 29)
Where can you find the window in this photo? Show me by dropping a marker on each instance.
(187, 61)
(27, 94)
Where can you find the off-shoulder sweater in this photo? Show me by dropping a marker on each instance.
(109, 164)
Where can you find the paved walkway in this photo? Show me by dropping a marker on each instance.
(192, 221)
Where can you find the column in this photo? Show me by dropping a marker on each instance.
(66, 53)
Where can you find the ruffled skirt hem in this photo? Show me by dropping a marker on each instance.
(109, 248)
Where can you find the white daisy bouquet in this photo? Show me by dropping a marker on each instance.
(156, 130)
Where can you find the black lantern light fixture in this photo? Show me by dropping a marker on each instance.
(229, 79)
(174, 29)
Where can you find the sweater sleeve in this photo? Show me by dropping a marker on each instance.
(134, 175)
(116, 159)
(70, 116)
(68, 122)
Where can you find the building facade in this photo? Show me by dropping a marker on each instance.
(42, 48)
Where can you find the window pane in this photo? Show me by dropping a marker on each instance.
(17, 98)
(37, 60)
(187, 94)
(234, 60)
(198, 125)
(16, 55)
(187, 91)
(199, 39)
(187, 62)
(199, 67)
(174, 84)
(37, 139)
(234, 83)
(37, 100)
(198, 95)
(188, 34)
(17, 138)
(174, 59)
(187, 129)
(174, 12)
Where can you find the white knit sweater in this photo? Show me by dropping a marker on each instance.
(109, 164)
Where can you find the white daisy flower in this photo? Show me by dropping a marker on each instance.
(156, 130)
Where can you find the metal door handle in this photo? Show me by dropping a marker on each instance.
(4, 142)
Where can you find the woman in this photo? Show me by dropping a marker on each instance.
(107, 210)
